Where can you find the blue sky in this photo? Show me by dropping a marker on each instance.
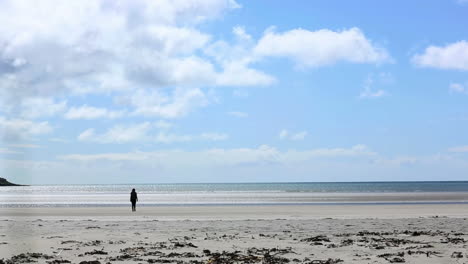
(233, 91)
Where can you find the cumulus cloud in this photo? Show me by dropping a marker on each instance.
(453, 56)
(250, 77)
(32, 107)
(20, 129)
(41, 107)
(322, 47)
(102, 47)
(157, 104)
(236, 59)
(118, 134)
(285, 134)
(90, 112)
(168, 138)
(155, 49)
(458, 88)
(299, 136)
(161, 124)
(143, 132)
(369, 91)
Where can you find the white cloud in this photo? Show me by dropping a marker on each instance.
(235, 60)
(458, 88)
(459, 149)
(214, 136)
(41, 107)
(299, 136)
(168, 138)
(102, 47)
(322, 47)
(118, 134)
(369, 83)
(338, 154)
(161, 124)
(241, 34)
(178, 104)
(285, 134)
(106, 156)
(122, 134)
(8, 151)
(238, 114)
(24, 146)
(87, 135)
(239, 74)
(143, 132)
(174, 40)
(20, 129)
(263, 154)
(90, 112)
(372, 94)
(154, 49)
(31, 107)
(453, 56)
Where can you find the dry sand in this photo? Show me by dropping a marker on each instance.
(237, 234)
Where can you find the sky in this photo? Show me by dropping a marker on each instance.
(167, 91)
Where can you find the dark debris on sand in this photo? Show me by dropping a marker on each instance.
(326, 261)
(58, 261)
(404, 246)
(253, 255)
(90, 262)
(25, 258)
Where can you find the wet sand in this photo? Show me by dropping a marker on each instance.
(231, 212)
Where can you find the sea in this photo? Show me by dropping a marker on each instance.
(207, 194)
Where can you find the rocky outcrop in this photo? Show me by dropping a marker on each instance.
(4, 182)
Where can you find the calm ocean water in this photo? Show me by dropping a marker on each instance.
(231, 193)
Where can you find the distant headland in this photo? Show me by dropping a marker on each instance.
(5, 182)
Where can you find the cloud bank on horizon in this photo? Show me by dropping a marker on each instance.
(224, 90)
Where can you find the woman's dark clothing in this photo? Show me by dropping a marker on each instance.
(133, 199)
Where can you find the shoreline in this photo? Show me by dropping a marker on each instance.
(240, 212)
(225, 198)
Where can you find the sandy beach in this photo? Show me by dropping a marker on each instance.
(236, 234)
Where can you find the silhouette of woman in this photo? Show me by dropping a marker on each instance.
(133, 199)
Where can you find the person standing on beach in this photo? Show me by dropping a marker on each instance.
(133, 199)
